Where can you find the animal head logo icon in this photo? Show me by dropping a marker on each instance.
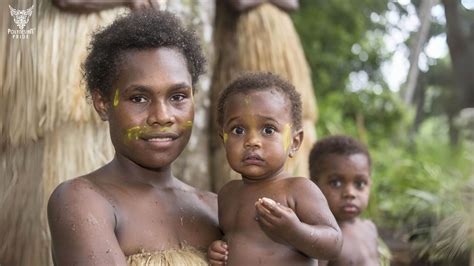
(21, 17)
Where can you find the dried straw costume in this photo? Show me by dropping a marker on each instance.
(185, 256)
(49, 131)
(262, 39)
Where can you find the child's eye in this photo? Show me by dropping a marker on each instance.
(238, 130)
(177, 97)
(360, 184)
(268, 130)
(138, 99)
(335, 183)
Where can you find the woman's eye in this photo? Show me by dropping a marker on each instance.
(268, 130)
(238, 130)
(177, 97)
(138, 99)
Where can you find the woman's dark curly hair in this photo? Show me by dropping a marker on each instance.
(140, 30)
(260, 81)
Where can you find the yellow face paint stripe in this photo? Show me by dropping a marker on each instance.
(226, 137)
(286, 137)
(116, 98)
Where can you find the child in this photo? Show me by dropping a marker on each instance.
(340, 166)
(268, 217)
(140, 72)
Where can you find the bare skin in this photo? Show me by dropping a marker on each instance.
(244, 5)
(269, 217)
(87, 6)
(345, 181)
(134, 203)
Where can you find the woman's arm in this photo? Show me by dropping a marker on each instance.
(82, 226)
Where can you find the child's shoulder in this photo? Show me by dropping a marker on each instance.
(298, 181)
(368, 226)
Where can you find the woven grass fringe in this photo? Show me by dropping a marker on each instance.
(263, 39)
(186, 256)
(49, 132)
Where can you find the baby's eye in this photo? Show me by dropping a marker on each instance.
(268, 130)
(138, 99)
(360, 184)
(335, 183)
(238, 130)
(177, 97)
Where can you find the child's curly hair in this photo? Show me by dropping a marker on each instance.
(339, 145)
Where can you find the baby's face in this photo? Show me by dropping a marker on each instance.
(257, 133)
(151, 110)
(345, 181)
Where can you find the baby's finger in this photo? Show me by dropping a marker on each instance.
(218, 256)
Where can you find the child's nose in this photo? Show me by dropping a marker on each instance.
(159, 114)
(348, 192)
(252, 140)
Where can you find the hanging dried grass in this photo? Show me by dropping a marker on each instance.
(42, 85)
(49, 132)
(262, 39)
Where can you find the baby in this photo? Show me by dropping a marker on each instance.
(340, 166)
(269, 217)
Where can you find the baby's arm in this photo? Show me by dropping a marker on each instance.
(82, 226)
(217, 253)
(311, 228)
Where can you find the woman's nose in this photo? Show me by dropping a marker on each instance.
(159, 114)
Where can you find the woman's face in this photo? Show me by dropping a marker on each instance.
(150, 110)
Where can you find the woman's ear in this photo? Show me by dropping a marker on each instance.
(101, 104)
(297, 139)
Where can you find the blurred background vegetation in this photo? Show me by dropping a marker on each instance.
(414, 113)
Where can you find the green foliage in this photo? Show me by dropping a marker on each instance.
(328, 31)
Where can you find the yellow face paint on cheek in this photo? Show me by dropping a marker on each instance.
(135, 133)
(225, 136)
(286, 137)
(116, 98)
(188, 124)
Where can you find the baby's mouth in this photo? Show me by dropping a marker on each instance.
(253, 159)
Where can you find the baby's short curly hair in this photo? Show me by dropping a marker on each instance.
(260, 81)
(339, 145)
(139, 30)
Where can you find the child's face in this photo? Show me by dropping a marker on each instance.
(345, 181)
(257, 133)
(151, 110)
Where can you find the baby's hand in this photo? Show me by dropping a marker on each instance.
(276, 221)
(217, 253)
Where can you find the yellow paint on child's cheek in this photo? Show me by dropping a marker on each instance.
(188, 124)
(286, 137)
(116, 98)
(225, 136)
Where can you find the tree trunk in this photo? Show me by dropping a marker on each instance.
(416, 47)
